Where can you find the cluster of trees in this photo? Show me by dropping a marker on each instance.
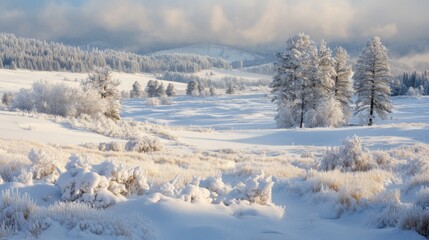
(34, 54)
(156, 89)
(197, 88)
(313, 88)
(413, 84)
(222, 83)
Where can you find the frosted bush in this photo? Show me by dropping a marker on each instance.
(254, 189)
(18, 213)
(112, 146)
(423, 197)
(153, 101)
(101, 185)
(165, 100)
(345, 191)
(416, 218)
(144, 144)
(81, 217)
(15, 212)
(58, 99)
(352, 156)
(43, 167)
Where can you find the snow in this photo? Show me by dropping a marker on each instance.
(13, 80)
(201, 183)
(15, 125)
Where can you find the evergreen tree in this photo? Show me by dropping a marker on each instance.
(171, 90)
(101, 80)
(293, 81)
(151, 88)
(212, 90)
(371, 81)
(192, 88)
(230, 89)
(343, 89)
(160, 90)
(136, 92)
(201, 89)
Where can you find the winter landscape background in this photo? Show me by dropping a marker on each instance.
(180, 120)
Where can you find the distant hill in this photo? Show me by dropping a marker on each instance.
(231, 55)
(33, 54)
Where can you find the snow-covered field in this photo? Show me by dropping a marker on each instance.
(217, 169)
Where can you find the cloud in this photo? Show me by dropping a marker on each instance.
(134, 24)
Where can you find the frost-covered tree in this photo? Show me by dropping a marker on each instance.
(101, 80)
(151, 88)
(371, 81)
(201, 89)
(293, 81)
(160, 90)
(137, 91)
(192, 88)
(171, 90)
(7, 98)
(230, 89)
(212, 90)
(343, 89)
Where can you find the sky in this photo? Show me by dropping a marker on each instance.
(156, 24)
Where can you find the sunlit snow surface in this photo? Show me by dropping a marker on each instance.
(238, 131)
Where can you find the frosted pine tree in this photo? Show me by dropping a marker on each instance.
(136, 92)
(371, 81)
(160, 90)
(292, 85)
(151, 88)
(101, 80)
(192, 88)
(171, 91)
(343, 89)
(323, 101)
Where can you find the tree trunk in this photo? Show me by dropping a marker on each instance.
(371, 108)
(302, 108)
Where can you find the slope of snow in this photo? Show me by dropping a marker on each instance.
(247, 122)
(14, 125)
(215, 51)
(13, 80)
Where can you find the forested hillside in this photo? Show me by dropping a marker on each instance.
(26, 53)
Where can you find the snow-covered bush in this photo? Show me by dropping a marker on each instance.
(58, 99)
(111, 146)
(152, 102)
(352, 156)
(16, 212)
(81, 217)
(144, 144)
(101, 185)
(415, 218)
(43, 167)
(345, 191)
(254, 189)
(166, 100)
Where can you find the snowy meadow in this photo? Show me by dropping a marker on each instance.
(213, 168)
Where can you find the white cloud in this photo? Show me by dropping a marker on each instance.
(234, 22)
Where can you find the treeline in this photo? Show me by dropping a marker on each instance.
(222, 83)
(32, 54)
(411, 84)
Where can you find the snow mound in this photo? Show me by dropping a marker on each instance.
(101, 185)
